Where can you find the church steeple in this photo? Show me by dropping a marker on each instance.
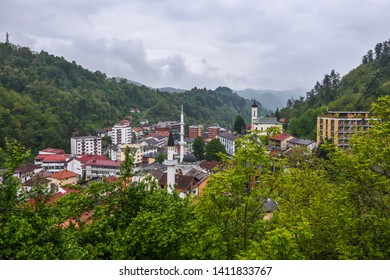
(254, 113)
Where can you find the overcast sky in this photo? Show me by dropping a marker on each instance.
(261, 44)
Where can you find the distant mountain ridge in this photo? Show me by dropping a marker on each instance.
(271, 99)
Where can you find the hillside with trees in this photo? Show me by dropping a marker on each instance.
(354, 92)
(329, 206)
(44, 99)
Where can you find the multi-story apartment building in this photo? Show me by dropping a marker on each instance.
(337, 127)
(121, 133)
(213, 131)
(83, 145)
(195, 131)
(228, 140)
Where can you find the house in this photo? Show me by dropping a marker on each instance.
(209, 166)
(102, 168)
(64, 177)
(296, 142)
(280, 140)
(26, 171)
(135, 152)
(77, 164)
(52, 162)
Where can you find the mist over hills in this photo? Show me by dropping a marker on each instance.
(271, 99)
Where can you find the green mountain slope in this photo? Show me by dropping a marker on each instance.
(44, 99)
(354, 92)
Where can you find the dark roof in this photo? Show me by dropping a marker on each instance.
(254, 104)
(171, 141)
(209, 165)
(270, 205)
(268, 120)
(298, 141)
(189, 158)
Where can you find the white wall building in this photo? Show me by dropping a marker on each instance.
(228, 141)
(121, 133)
(91, 145)
(102, 168)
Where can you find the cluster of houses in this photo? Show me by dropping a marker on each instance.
(89, 161)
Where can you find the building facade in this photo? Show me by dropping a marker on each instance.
(121, 133)
(229, 142)
(213, 131)
(83, 145)
(195, 131)
(262, 124)
(337, 127)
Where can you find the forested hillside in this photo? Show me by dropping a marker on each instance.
(355, 91)
(44, 99)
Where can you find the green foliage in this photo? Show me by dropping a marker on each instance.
(199, 148)
(127, 164)
(214, 149)
(239, 125)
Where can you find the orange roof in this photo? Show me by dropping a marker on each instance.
(280, 137)
(84, 158)
(64, 174)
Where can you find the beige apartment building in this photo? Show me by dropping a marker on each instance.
(337, 127)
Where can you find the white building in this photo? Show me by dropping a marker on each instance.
(102, 168)
(261, 124)
(121, 133)
(229, 142)
(83, 145)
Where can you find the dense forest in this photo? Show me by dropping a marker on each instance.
(330, 205)
(353, 92)
(44, 99)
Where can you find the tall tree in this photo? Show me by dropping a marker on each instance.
(199, 148)
(212, 150)
(239, 125)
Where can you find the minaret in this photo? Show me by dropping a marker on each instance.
(170, 162)
(254, 113)
(182, 143)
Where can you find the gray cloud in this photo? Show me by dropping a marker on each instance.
(261, 44)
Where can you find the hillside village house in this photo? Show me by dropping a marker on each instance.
(280, 140)
(64, 177)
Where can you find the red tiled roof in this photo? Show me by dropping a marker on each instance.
(280, 137)
(53, 151)
(64, 174)
(56, 158)
(111, 163)
(84, 158)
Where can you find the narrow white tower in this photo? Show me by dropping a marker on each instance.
(182, 143)
(254, 114)
(170, 162)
